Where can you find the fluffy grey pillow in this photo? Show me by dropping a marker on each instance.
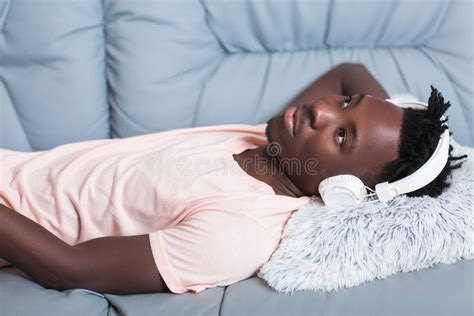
(327, 249)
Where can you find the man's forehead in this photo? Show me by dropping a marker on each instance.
(378, 134)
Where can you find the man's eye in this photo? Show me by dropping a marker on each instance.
(346, 102)
(341, 136)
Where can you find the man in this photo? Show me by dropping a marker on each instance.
(95, 215)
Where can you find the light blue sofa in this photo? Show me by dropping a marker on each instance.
(73, 70)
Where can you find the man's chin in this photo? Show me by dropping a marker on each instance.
(268, 131)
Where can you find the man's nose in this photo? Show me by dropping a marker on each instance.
(323, 114)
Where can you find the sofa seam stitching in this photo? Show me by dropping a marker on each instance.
(106, 79)
(211, 30)
(222, 301)
(5, 15)
(203, 87)
(449, 5)
(328, 24)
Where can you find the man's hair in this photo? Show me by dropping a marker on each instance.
(419, 136)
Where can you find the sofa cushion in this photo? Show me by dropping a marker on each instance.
(160, 65)
(441, 290)
(52, 65)
(216, 62)
(159, 55)
(206, 303)
(19, 295)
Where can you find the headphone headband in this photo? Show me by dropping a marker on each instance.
(421, 177)
(425, 174)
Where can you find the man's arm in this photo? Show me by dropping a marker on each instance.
(118, 265)
(345, 79)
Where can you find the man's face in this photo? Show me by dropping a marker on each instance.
(333, 136)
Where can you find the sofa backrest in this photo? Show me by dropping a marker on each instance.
(88, 69)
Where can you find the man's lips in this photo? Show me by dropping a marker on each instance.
(289, 120)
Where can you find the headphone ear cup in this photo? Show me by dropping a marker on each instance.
(342, 190)
(341, 178)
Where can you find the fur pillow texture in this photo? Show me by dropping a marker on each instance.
(325, 248)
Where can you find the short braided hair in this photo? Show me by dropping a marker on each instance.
(419, 136)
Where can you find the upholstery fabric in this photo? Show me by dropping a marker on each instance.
(52, 64)
(19, 295)
(146, 66)
(444, 289)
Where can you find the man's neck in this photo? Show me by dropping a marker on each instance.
(260, 165)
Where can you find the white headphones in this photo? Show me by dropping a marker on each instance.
(347, 190)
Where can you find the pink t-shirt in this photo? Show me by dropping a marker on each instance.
(209, 223)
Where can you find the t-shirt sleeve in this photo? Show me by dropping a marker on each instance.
(209, 249)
